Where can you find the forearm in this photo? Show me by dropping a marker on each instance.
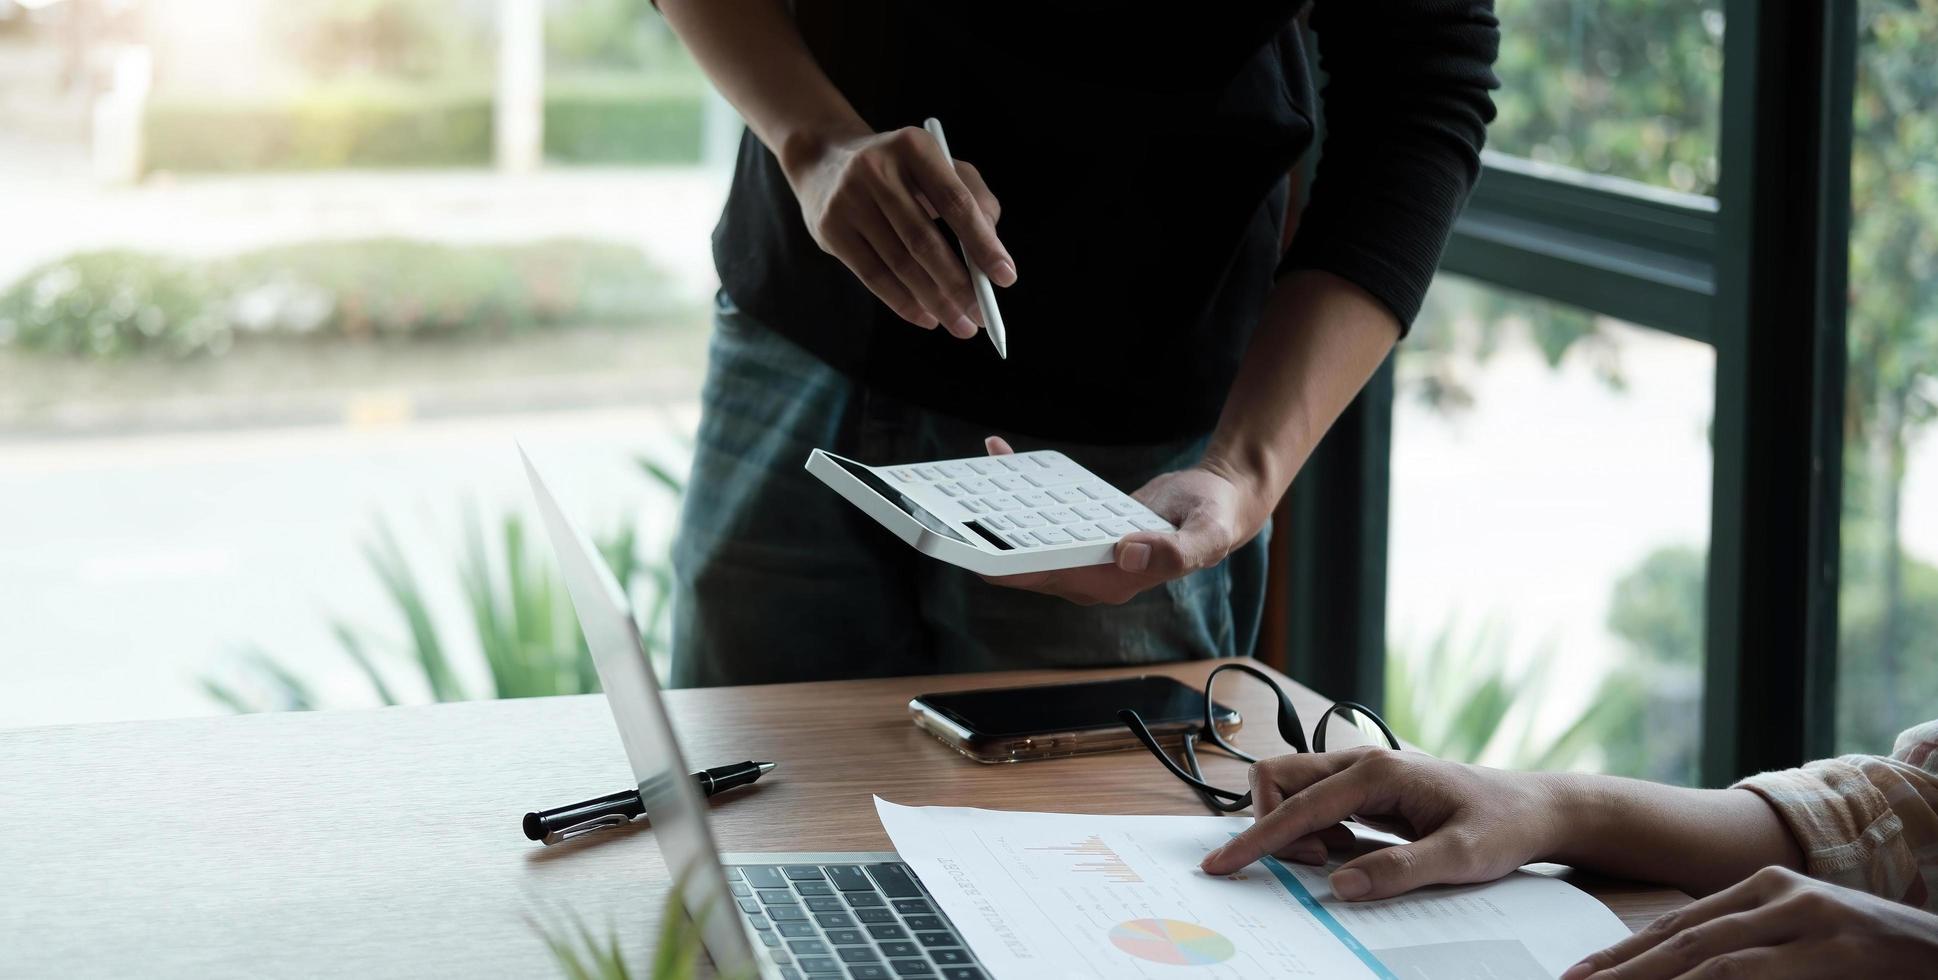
(1699, 840)
(1318, 342)
(754, 55)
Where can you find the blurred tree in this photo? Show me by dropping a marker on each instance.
(1628, 88)
(1632, 88)
(1888, 649)
(411, 40)
(1657, 613)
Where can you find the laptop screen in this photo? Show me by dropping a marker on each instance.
(673, 802)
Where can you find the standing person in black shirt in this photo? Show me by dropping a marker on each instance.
(1124, 178)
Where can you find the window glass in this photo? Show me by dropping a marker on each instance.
(274, 303)
(1888, 613)
(1630, 89)
(1550, 520)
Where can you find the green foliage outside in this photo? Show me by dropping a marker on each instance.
(121, 303)
(1632, 88)
(1628, 88)
(523, 627)
(588, 120)
(1457, 699)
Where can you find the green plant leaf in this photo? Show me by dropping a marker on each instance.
(387, 560)
(353, 646)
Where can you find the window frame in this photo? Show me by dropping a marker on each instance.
(1759, 274)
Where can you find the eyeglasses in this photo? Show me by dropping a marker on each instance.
(1224, 800)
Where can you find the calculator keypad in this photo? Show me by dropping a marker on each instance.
(1028, 500)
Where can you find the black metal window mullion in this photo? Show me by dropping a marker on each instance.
(1780, 361)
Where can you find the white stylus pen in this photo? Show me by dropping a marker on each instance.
(992, 318)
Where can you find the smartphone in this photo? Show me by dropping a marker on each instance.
(1014, 724)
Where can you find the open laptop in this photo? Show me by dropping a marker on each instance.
(855, 916)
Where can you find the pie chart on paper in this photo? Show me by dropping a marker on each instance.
(1171, 941)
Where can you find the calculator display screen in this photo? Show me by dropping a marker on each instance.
(896, 497)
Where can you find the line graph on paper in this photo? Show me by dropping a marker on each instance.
(1098, 858)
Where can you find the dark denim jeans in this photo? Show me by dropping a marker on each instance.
(780, 579)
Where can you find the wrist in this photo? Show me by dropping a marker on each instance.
(802, 147)
(1588, 819)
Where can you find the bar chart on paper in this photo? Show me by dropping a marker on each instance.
(1096, 857)
(1060, 894)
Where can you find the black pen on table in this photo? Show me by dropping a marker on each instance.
(567, 822)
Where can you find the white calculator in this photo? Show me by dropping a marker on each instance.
(994, 515)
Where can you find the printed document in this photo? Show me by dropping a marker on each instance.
(1075, 895)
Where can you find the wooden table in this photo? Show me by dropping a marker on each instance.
(386, 842)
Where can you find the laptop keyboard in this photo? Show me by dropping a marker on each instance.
(858, 921)
(1027, 500)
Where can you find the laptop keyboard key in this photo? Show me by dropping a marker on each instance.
(764, 876)
(911, 968)
(888, 932)
(778, 896)
(873, 971)
(849, 878)
(759, 921)
(768, 938)
(861, 899)
(740, 890)
(804, 872)
(808, 947)
(921, 922)
(900, 949)
(814, 888)
(749, 906)
(936, 939)
(790, 973)
(949, 957)
(780, 912)
(795, 930)
(812, 965)
(847, 937)
(858, 954)
(874, 916)
(835, 920)
(895, 881)
(913, 906)
(962, 973)
(824, 903)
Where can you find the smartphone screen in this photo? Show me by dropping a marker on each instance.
(1008, 711)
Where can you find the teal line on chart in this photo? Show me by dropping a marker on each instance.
(1319, 911)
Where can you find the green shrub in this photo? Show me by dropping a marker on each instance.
(109, 304)
(319, 130)
(624, 120)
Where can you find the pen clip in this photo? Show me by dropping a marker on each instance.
(585, 827)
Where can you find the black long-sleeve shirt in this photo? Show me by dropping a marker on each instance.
(1141, 160)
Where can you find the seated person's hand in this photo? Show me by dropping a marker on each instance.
(1213, 516)
(872, 200)
(1776, 923)
(1463, 823)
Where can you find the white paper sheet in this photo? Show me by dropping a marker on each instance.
(1076, 895)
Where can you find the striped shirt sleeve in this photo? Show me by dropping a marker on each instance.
(1865, 821)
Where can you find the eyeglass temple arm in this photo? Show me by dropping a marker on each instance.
(1289, 727)
(1189, 746)
(1136, 724)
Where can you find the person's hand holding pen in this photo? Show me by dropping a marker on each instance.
(871, 200)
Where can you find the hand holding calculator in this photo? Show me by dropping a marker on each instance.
(994, 515)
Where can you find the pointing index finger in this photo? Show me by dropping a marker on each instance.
(1338, 790)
